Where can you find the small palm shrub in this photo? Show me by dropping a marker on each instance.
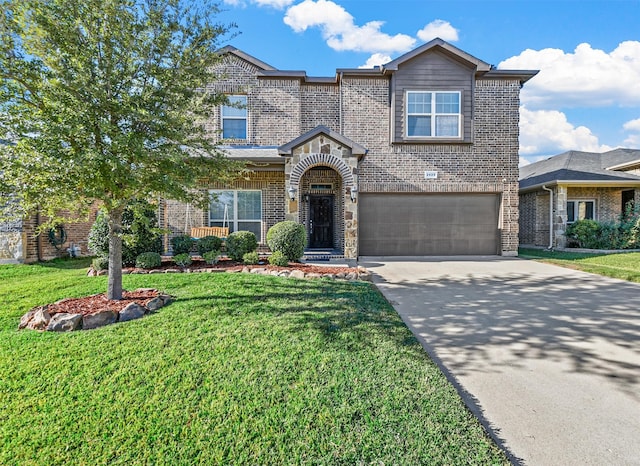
(181, 244)
(290, 238)
(182, 260)
(211, 257)
(148, 260)
(208, 243)
(251, 258)
(239, 243)
(278, 258)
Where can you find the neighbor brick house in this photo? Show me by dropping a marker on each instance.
(572, 186)
(416, 157)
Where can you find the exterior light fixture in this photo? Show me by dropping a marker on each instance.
(354, 193)
(292, 193)
(305, 198)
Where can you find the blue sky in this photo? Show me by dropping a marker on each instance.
(586, 96)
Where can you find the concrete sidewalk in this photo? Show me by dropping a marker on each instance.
(548, 358)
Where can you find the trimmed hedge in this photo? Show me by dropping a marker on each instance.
(240, 243)
(182, 259)
(148, 260)
(289, 238)
(251, 258)
(279, 259)
(208, 243)
(182, 244)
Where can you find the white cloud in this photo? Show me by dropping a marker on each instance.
(548, 131)
(438, 28)
(339, 30)
(375, 60)
(585, 78)
(633, 140)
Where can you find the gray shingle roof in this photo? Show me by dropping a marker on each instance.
(579, 166)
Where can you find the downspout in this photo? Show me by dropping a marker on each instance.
(550, 215)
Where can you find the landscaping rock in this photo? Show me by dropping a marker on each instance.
(365, 276)
(173, 271)
(131, 312)
(351, 276)
(233, 271)
(166, 299)
(126, 272)
(39, 320)
(259, 270)
(98, 319)
(64, 322)
(100, 273)
(341, 275)
(284, 273)
(155, 304)
(25, 319)
(155, 271)
(313, 275)
(91, 272)
(296, 274)
(275, 273)
(245, 270)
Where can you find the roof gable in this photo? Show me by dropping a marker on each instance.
(444, 47)
(246, 57)
(356, 149)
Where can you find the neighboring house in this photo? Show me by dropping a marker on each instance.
(579, 185)
(416, 157)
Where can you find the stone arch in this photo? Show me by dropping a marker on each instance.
(315, 160)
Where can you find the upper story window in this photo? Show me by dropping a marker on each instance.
(234, 118)
(433, 114)
(580, 210)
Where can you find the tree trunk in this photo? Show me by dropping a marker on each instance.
(114, 290)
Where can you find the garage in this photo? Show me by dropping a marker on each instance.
(394, 224)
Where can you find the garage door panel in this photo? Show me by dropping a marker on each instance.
(428, 224)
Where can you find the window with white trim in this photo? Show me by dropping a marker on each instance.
(234, 118)
(432, 114)
(580, 210)
(238, 210)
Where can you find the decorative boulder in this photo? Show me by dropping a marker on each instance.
(131, 312)
(25, 319)
(98, 319)
(155, 304)
(39, 320)
(64, 322)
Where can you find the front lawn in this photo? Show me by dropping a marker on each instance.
(624, 265)
(241, 369)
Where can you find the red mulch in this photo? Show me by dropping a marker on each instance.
(226, 264)
(99, 302)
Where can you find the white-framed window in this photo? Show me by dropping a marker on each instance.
(578, 209)
(433, 114)
(239, 210)
(234, 118)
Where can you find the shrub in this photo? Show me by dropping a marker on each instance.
(140, 232)
(182, 244)
(251, 258)
(585, 232)
(182, 260)
(100, 263)
(208, 243)
(148, 260)
(289, 238)
(239, 243)
(211, 257)
(278, 258)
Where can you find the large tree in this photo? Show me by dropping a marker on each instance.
(107, 101)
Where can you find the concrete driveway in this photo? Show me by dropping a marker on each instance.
(548, 358)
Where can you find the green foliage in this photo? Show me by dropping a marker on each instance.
(585, 232)
(239, 243)
(209, 243)
(182, 260)
(100, 263)
(251, 258)
(623, 234)
(148, 260)
(140, 232)
(278, 258)
(104, 101)
(288, 237)
(211, 257)
(182, 244)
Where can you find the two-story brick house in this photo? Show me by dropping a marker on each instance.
(416, 157)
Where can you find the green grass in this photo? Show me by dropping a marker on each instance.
(625, 266)
(240, 369)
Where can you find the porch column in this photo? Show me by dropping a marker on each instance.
(560, 217)
(351, 222)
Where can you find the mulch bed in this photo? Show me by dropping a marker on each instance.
(229, 265)
(99, 302)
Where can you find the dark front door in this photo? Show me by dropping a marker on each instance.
(320, 222)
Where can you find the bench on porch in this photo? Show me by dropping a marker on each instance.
(201, 232)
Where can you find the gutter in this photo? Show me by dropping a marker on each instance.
(550, 215)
